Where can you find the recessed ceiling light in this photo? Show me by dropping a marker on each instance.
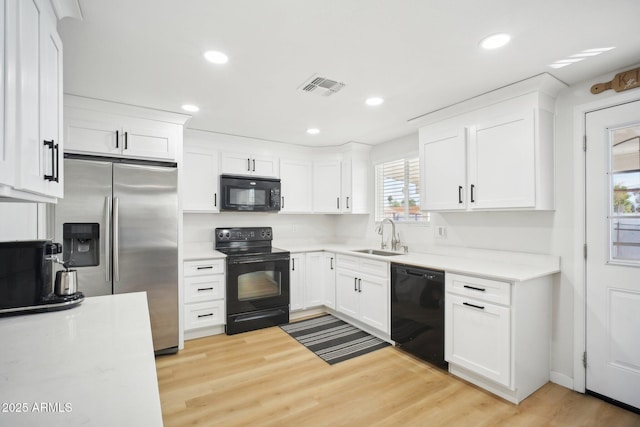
(216, 57)
(495, 41)
(190, 108)
(313, 131)
(373, 101)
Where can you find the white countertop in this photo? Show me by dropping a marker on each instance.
(501, 265)
(92, 365)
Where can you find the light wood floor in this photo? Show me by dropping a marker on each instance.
(265, 378)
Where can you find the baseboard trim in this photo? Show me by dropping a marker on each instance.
(561, 379)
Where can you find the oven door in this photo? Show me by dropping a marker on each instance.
(255, 283)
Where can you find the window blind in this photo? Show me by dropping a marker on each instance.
(398, 191)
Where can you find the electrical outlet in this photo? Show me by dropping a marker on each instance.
(293, 228)
(441, 232)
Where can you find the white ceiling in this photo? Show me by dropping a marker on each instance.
(419, 55)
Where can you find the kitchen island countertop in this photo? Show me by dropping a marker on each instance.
(91, 365)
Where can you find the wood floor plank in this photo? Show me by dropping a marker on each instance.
(266, 378)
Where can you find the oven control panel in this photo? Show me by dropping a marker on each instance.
(243, 234)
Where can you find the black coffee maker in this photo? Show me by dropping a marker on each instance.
(26, 278)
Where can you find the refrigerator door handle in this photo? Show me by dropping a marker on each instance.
(116, 240)
(107, 233)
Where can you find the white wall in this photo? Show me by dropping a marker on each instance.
(18, 221)
(199, 228)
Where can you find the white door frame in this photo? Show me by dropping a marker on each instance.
(580, 265)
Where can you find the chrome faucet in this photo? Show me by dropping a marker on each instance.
(395, 240)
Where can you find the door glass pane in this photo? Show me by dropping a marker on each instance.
(258, 284)
(625, 194)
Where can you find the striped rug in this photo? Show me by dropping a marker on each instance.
(332, 339)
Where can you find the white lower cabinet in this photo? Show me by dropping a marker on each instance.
(204, 297)
(497, 334)
(312, 280)
(362, 290)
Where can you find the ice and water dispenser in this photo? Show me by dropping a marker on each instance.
(81, 246)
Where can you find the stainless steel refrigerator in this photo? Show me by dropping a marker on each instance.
(118, 224)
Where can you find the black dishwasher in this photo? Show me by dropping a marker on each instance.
(417, 312)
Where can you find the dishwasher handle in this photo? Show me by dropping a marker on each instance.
(420, 273)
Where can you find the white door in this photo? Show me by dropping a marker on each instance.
(613, 261)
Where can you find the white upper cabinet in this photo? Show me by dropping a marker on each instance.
(200, 189)
(498, 157)
(341, 183)
(502, 163)
(32, 100)
(327, 185)
(444, 169)
(6, 156)
(356, 175)
(295, 177)
(97, 131)
(249, 164)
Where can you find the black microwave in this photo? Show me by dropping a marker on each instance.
(249, 193)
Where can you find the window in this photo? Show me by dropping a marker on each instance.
(624, 216)
(398, 191)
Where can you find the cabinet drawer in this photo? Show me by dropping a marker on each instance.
(204, 314)
(478, 288)
(363, 265)
(204, 288)
(203, 267)
(374, 267)
(347, 262)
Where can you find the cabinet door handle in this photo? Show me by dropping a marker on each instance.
(293, 263)
(473, 305)
(248, 165)
(473, 187)
(282, 202)
(205, 315)
(355, 284)
(208, 267)
(254, 165)
(126, 140)
(331, 263)
(204, 289)
(474, 288)
(359, 285)
(338, 202)
(51, 177)
(117, 139)
(347, 202)
(215, 199)
(460, 194)
(57, 178)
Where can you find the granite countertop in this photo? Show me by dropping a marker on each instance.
(90, 365)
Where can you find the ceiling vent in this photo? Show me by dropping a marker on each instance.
(322, 86)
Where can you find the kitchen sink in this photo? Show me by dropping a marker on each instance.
(376, 252)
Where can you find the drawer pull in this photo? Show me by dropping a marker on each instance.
(475, 289)
(204, 289)
(473, 305)
(205, 315)
(209, 267)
